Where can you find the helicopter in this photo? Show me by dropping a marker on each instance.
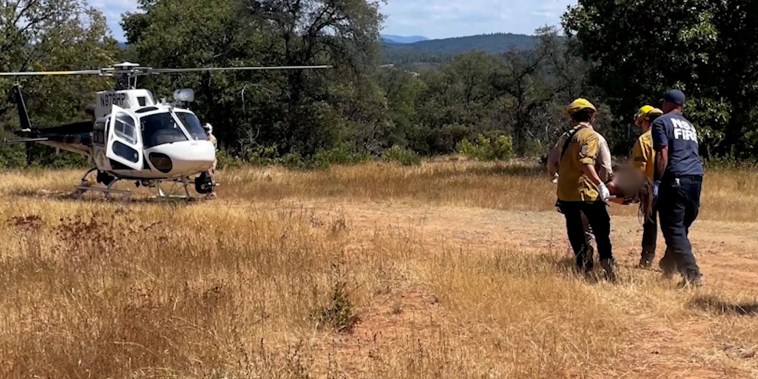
(131, 136)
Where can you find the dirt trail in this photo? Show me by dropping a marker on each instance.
(725, 252)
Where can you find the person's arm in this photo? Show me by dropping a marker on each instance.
(554, 158)
(591, 174)
(660, 145)
(587, 155)
(638, 158)
(661, 162)
(605, 171)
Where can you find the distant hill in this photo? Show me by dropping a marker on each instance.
(441, 50)
(418, 50)
(390, 38)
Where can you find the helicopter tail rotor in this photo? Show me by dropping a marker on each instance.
(23, 114)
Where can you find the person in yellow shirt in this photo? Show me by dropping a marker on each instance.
(581, 190)
(604, 169)
(643, 158)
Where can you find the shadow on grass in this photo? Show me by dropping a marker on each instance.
(567, 266)
(714, 305)
(100, 198)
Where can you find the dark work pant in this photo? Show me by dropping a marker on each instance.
(650, 234)
(600, 222)
(678, 207)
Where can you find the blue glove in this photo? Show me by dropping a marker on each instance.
(656, 184)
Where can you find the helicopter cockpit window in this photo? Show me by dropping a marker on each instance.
(193, 125)
(124, 128)
(159, 129)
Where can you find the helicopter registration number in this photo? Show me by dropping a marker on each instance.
(109, 99)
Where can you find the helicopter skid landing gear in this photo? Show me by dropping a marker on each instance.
(179, 188)
(101, 178)
(170, 195)
(85, 186)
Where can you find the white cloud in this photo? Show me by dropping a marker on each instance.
(431, 18)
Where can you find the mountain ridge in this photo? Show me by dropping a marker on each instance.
(392, 38)
(441, 50)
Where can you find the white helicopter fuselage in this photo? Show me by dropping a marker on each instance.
(188, 159)
(136, 138)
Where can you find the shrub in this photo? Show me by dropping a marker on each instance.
(342, 155)
(225, 160)
(401, 155)
(262, 155)
(338, 313)
(498, 148)
(293, 161)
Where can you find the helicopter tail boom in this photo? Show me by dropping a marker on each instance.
(74, 137)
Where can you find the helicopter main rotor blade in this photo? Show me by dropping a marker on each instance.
(50, 73)
(179, 70)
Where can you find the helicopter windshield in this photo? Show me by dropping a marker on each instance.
(193, 125)
(159, 129)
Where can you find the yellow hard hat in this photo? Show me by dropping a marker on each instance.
(580, 105)
(645, 112)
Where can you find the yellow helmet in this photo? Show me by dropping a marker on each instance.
(580, 105)
(645, 112)
(655, 112)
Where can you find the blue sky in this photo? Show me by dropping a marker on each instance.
(430, 18)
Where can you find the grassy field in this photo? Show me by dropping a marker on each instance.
(449, 269)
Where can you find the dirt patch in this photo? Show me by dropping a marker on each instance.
(674, 348)
(403, 314)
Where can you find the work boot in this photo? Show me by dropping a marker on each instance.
(609, 266)
(646, 262)
(668, 266)
(584, 269)
(691, 281)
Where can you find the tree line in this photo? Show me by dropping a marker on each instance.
(491, 106)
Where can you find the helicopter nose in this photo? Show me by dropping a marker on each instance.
(184, 158)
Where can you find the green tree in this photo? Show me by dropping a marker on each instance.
(455, 102)
(520, 94)
(343, 33)
(640, 48)
(294, 111)
(195, 33)
(402, 91)
(51, 35)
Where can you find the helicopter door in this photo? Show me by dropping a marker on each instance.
(124, 144)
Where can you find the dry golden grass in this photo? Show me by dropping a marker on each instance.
(453, 269)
